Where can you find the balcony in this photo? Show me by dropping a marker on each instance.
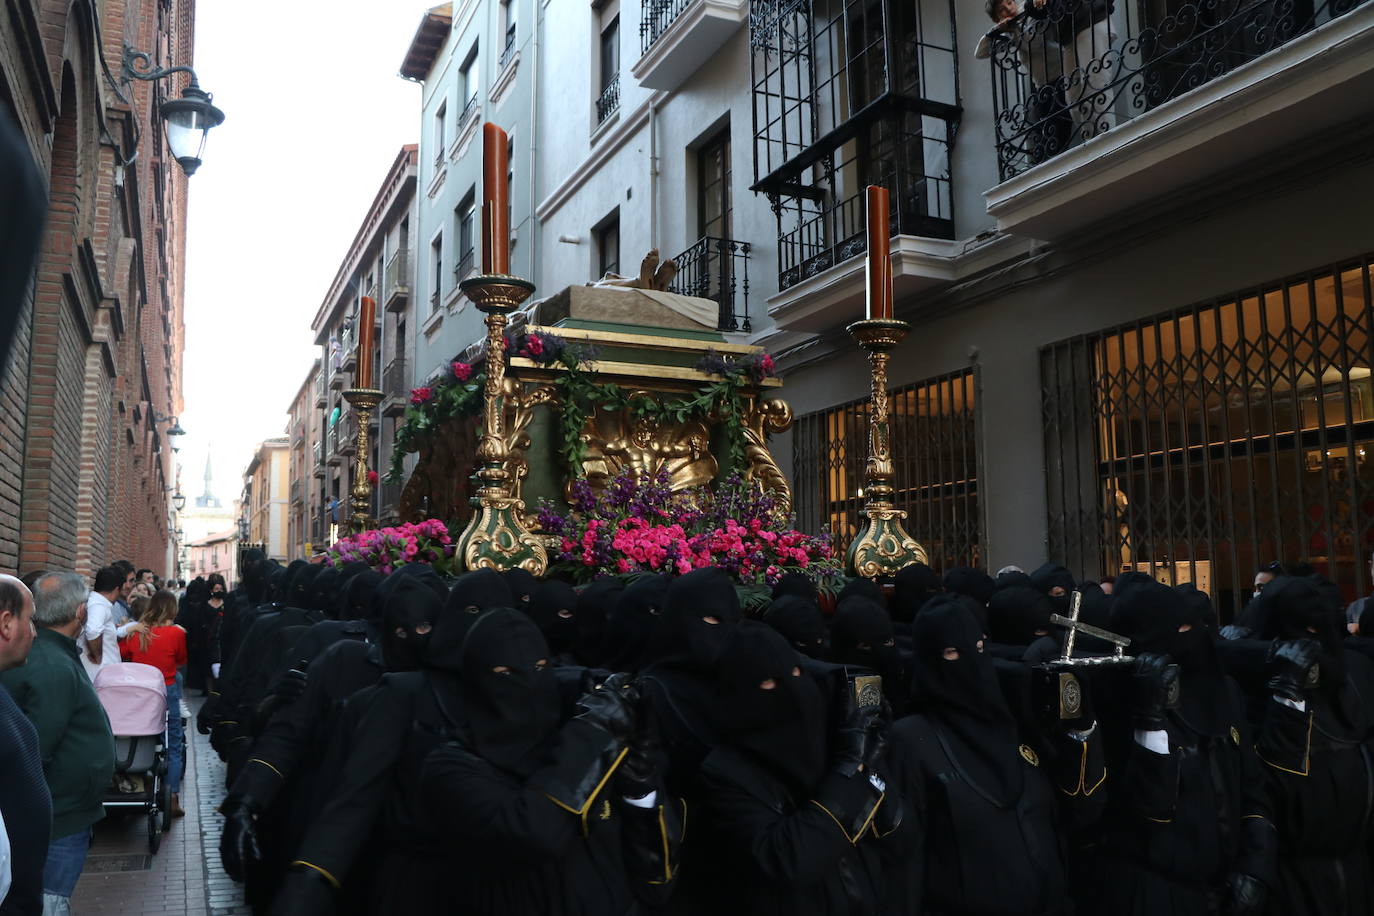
(608, 103)
(677, 36)
(396, 283)
(319, 459)
(319, 390)
(508, 51)
(346, 431)
(348, 350)
(396, 384)
(331, 441)
(1150, 107)
(295, 492)
(464, 266)
(388, 500)
(717, 269)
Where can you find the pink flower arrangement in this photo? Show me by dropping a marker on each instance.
(372, 478)
(643, 526)
(462, 371)
(421, 395)
(386, 549)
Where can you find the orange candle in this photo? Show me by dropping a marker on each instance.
(495, 194)
(367, 317)
(878, 269)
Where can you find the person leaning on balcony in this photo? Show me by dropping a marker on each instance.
(1033, 45)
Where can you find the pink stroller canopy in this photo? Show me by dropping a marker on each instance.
(134, 697)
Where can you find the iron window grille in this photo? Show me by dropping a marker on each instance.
(608, 103)
(1060, 78)
(655, 18)
(849, 93)
(1207, 442)
(935, 449)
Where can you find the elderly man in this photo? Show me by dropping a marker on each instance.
(74, 738)
(24, 801)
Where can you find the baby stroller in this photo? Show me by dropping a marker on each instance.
(135, 699)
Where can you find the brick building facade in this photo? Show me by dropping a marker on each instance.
(94, 377)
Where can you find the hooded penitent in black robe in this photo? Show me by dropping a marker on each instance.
(990, 809)
(800, 622)
(1319, 764)
(553, 608)
(1017, 617)
(525, 849)
(861, 636)
(790, 836)
(632, 623)
(376, 798)
(1181, 828)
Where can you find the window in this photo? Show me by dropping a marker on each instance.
(508, 27)
(471, 75)
(510, 181)
(607, 235)
(440, 133)
(610, 52)
(713, 183)
(465, 226)
(436, 256)
(935, 453)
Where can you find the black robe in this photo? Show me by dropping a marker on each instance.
(1178, 825)
(778, 854)
(1319, 772)
(960, 850)
(523, 855)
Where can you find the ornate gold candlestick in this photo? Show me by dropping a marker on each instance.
(364, 401)
(882, 546)
(495, 537)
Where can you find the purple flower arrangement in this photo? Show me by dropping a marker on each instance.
(644, 526)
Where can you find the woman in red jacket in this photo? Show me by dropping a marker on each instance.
(159, 642)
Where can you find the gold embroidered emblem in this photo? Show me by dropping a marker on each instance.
(1235, 736)
(1029, 755)
(605, 809)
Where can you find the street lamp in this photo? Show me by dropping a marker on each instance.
(178, 501)
(176, 429)
(188, 118)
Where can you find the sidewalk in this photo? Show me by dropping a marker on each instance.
(185, 876)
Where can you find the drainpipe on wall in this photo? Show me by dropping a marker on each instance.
(534, 141)
(653, 171)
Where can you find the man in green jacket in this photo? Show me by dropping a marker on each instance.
(74, 736)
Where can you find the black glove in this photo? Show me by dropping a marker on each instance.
(1292, 668)
(875, 738)
(611, 706)
(292, 684)
(1155, 687)
(1244, 895)
(638, 772)
(1234, 631)
(851, 746)
(207, 715)
(238, 844)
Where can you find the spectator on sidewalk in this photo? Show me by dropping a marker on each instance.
(99, 640)
(159, 642)
(122, 612)
(24, 801)
(74, 737)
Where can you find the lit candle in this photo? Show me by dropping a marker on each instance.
(367, 316)
(495, 194)
(878, 269)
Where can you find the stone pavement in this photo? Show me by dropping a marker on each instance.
(185, 876)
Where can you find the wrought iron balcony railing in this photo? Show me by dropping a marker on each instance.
(464, 265)
(394, 379)
(1070, 70)
(469, 109)
(717, 269)
(654, 19)
(608, 103)
(319, 453)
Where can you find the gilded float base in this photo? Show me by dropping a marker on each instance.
(883, 547)
(496, 539)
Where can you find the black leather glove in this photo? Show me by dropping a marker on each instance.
(611, 706)
(1234, 631)
(238, 844)
(207, 715)
(850, 750)
(1154, 691)
(293, 683)
(638, 773)
(875, 738)
(1245, 895)
(1292, 668)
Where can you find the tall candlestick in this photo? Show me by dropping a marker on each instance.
(367, 317)
(878, 268)
(495, 195)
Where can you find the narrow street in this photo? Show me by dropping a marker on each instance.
(185, 876)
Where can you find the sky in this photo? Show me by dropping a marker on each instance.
(314, 116)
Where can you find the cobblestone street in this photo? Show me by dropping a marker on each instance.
(185, 876)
